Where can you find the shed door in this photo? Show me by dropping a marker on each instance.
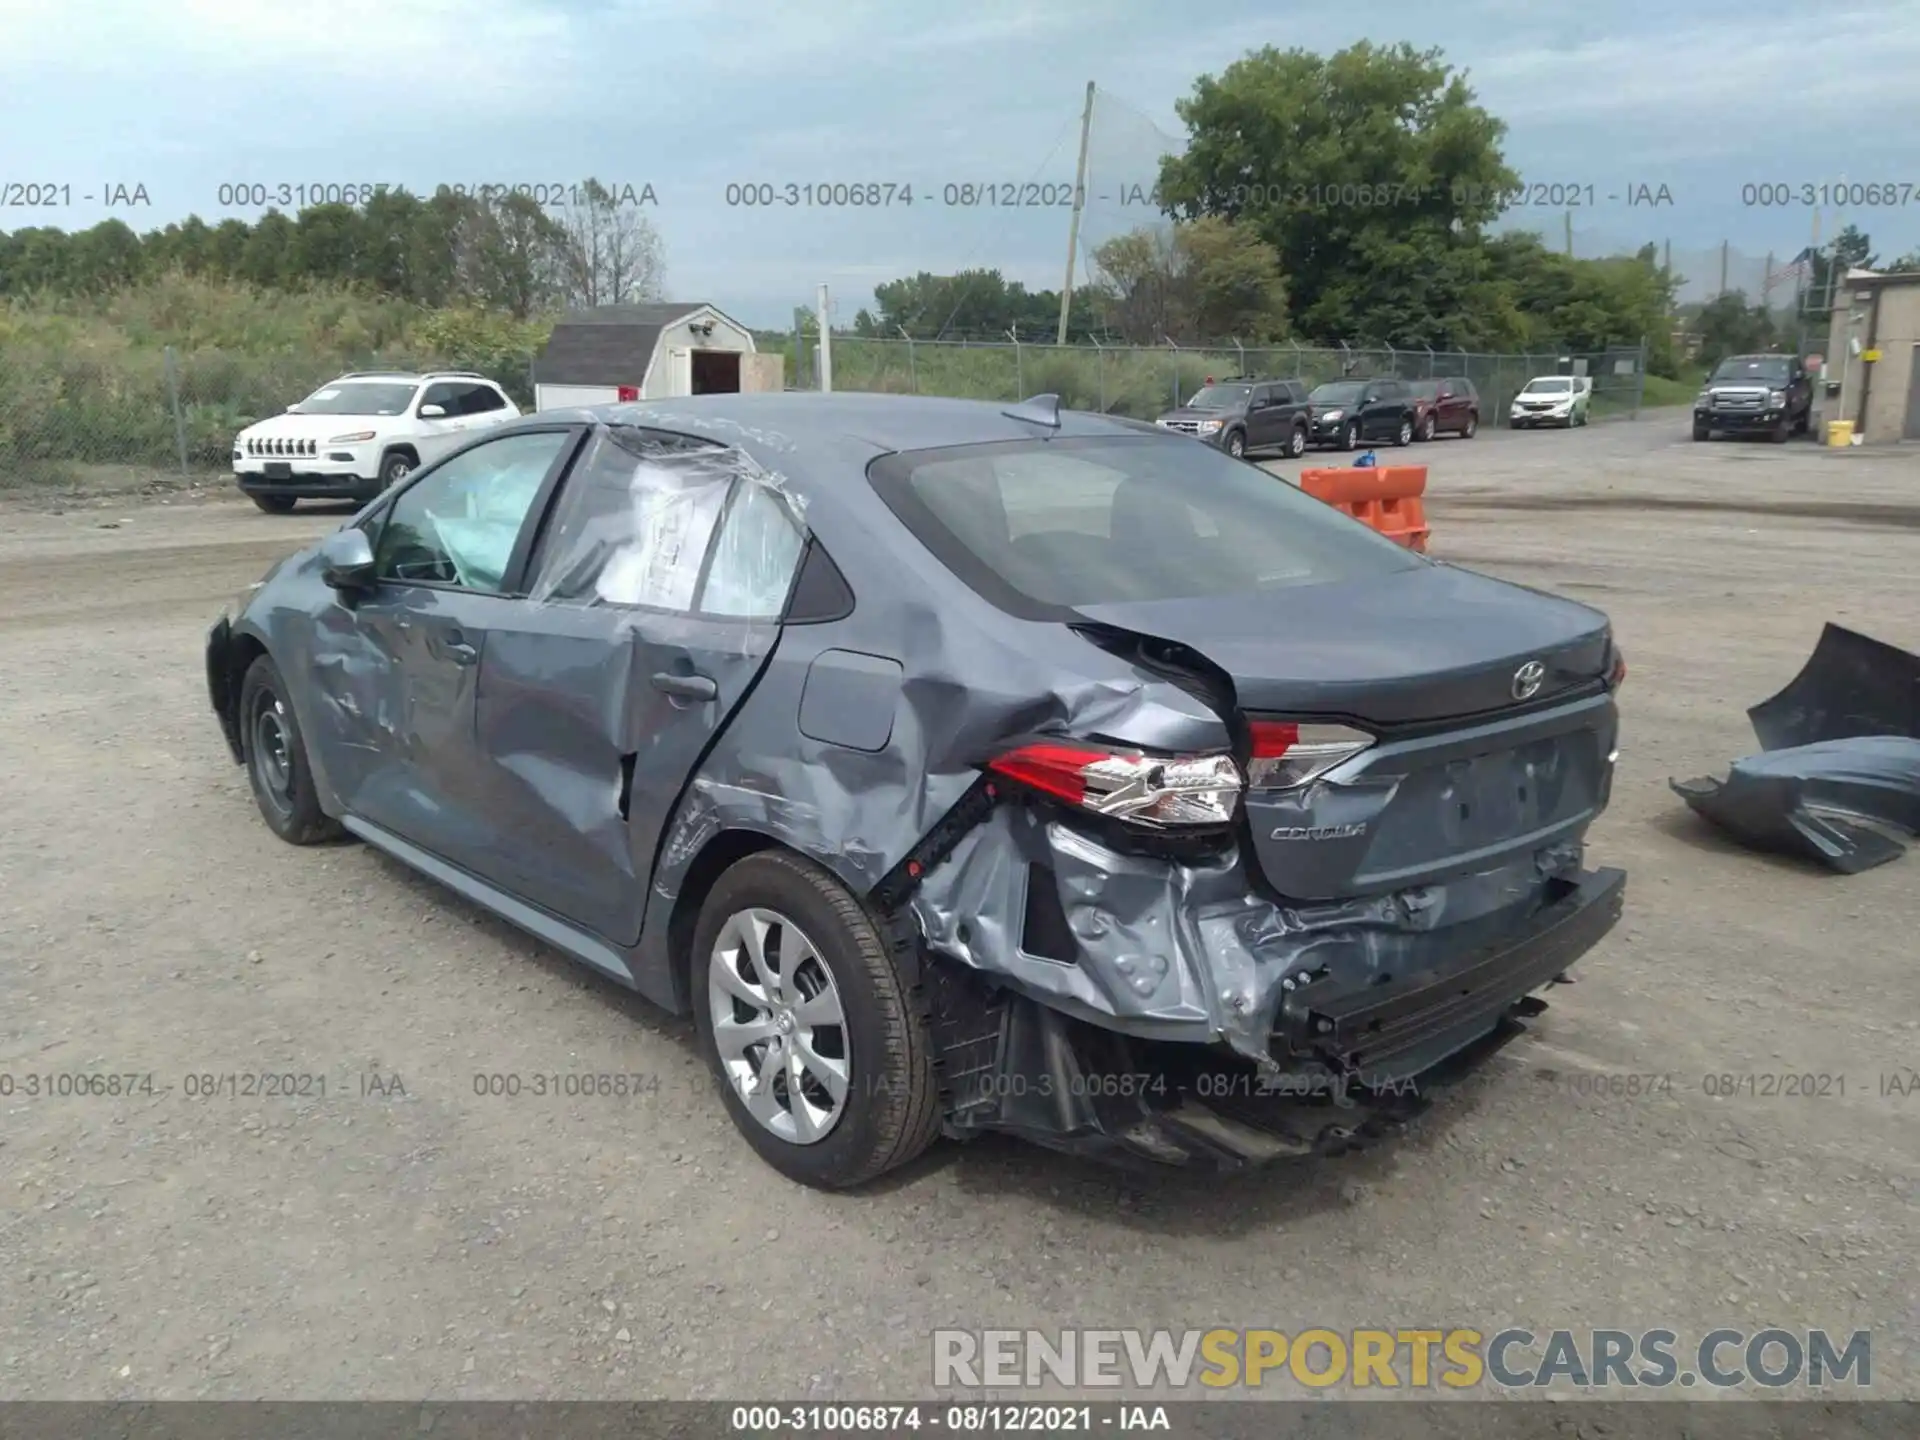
(680, 372)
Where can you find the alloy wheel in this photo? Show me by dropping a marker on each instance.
(778, 1025)
(1236, 445)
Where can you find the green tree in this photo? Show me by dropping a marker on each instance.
(974, 304)
(1728, 325)
(1210, 280)
(1372, 155)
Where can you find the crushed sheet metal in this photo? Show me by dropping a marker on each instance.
(1185, 951)
(1838, 779)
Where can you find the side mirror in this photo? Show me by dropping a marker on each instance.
(346, 560)
(433, 412)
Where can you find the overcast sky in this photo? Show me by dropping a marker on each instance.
(688, 96)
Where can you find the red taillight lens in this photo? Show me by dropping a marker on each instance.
(1287, 754)
(1619, 673)
(1152, 790)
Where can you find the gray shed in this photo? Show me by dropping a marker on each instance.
(648, 352)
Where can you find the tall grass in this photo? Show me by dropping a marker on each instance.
(87, 382)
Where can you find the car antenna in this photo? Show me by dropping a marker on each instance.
(1037, 410)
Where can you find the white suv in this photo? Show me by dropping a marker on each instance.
(355, 436)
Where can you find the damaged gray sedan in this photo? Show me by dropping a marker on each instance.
(959, 768)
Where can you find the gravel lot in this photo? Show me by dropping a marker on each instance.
(405, 1237)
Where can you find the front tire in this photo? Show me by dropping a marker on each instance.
(1781, 432)
(275, 753)
(1404, 435)
(818, 1044)
(1236, 444)
(1350, 435)
(395, 468)
(273, 504)
(1426, 429)
(1701, 432)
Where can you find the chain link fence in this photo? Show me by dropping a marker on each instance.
(168, 413)
(1142, 382)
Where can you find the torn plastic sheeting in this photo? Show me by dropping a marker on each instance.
(674, 420)
(1832, 801)
(1168, 946)
(637, 524)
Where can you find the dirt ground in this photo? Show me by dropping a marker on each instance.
(405, 1237)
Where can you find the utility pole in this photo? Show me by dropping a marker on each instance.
(826, 344)
(1723, 267)
(1073, 225)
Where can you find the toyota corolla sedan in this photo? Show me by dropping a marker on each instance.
(960, 768)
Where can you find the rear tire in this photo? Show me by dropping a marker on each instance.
(276, 758)
(273, 504)
(1473, 424)
(820, 955)
(1297, 442)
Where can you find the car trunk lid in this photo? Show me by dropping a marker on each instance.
(1492, 723)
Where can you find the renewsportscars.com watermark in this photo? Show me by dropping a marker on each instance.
(1412, 1359)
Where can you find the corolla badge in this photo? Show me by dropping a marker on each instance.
(1318, 832)
(1528, 679)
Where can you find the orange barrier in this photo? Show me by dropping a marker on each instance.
(1387, 497)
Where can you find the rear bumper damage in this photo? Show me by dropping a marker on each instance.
(1838, 779)
(1132, 1006)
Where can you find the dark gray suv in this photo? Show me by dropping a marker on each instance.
(959, 768)
(1245, 416)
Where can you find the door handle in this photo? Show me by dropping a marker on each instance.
(456, 648)
(689, 687)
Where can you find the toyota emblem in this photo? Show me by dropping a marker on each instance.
(1528, 679)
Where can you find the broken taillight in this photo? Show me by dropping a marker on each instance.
(1287, 754)
(1153, 790)
(1617, 676)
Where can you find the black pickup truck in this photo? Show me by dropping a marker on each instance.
(1240, 416)
(1755, 394)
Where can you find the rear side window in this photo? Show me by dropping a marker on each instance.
(1039, 527)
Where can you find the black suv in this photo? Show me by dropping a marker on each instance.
(1347, 412)
(1243, 415)
(1749, 394)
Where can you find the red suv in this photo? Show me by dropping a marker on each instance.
(1450, 404)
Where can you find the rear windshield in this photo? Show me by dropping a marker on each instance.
(1037, 526)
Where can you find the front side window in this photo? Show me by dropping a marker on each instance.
(458, 524)
(358, 397)
(444, 394)
(1040, 526)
